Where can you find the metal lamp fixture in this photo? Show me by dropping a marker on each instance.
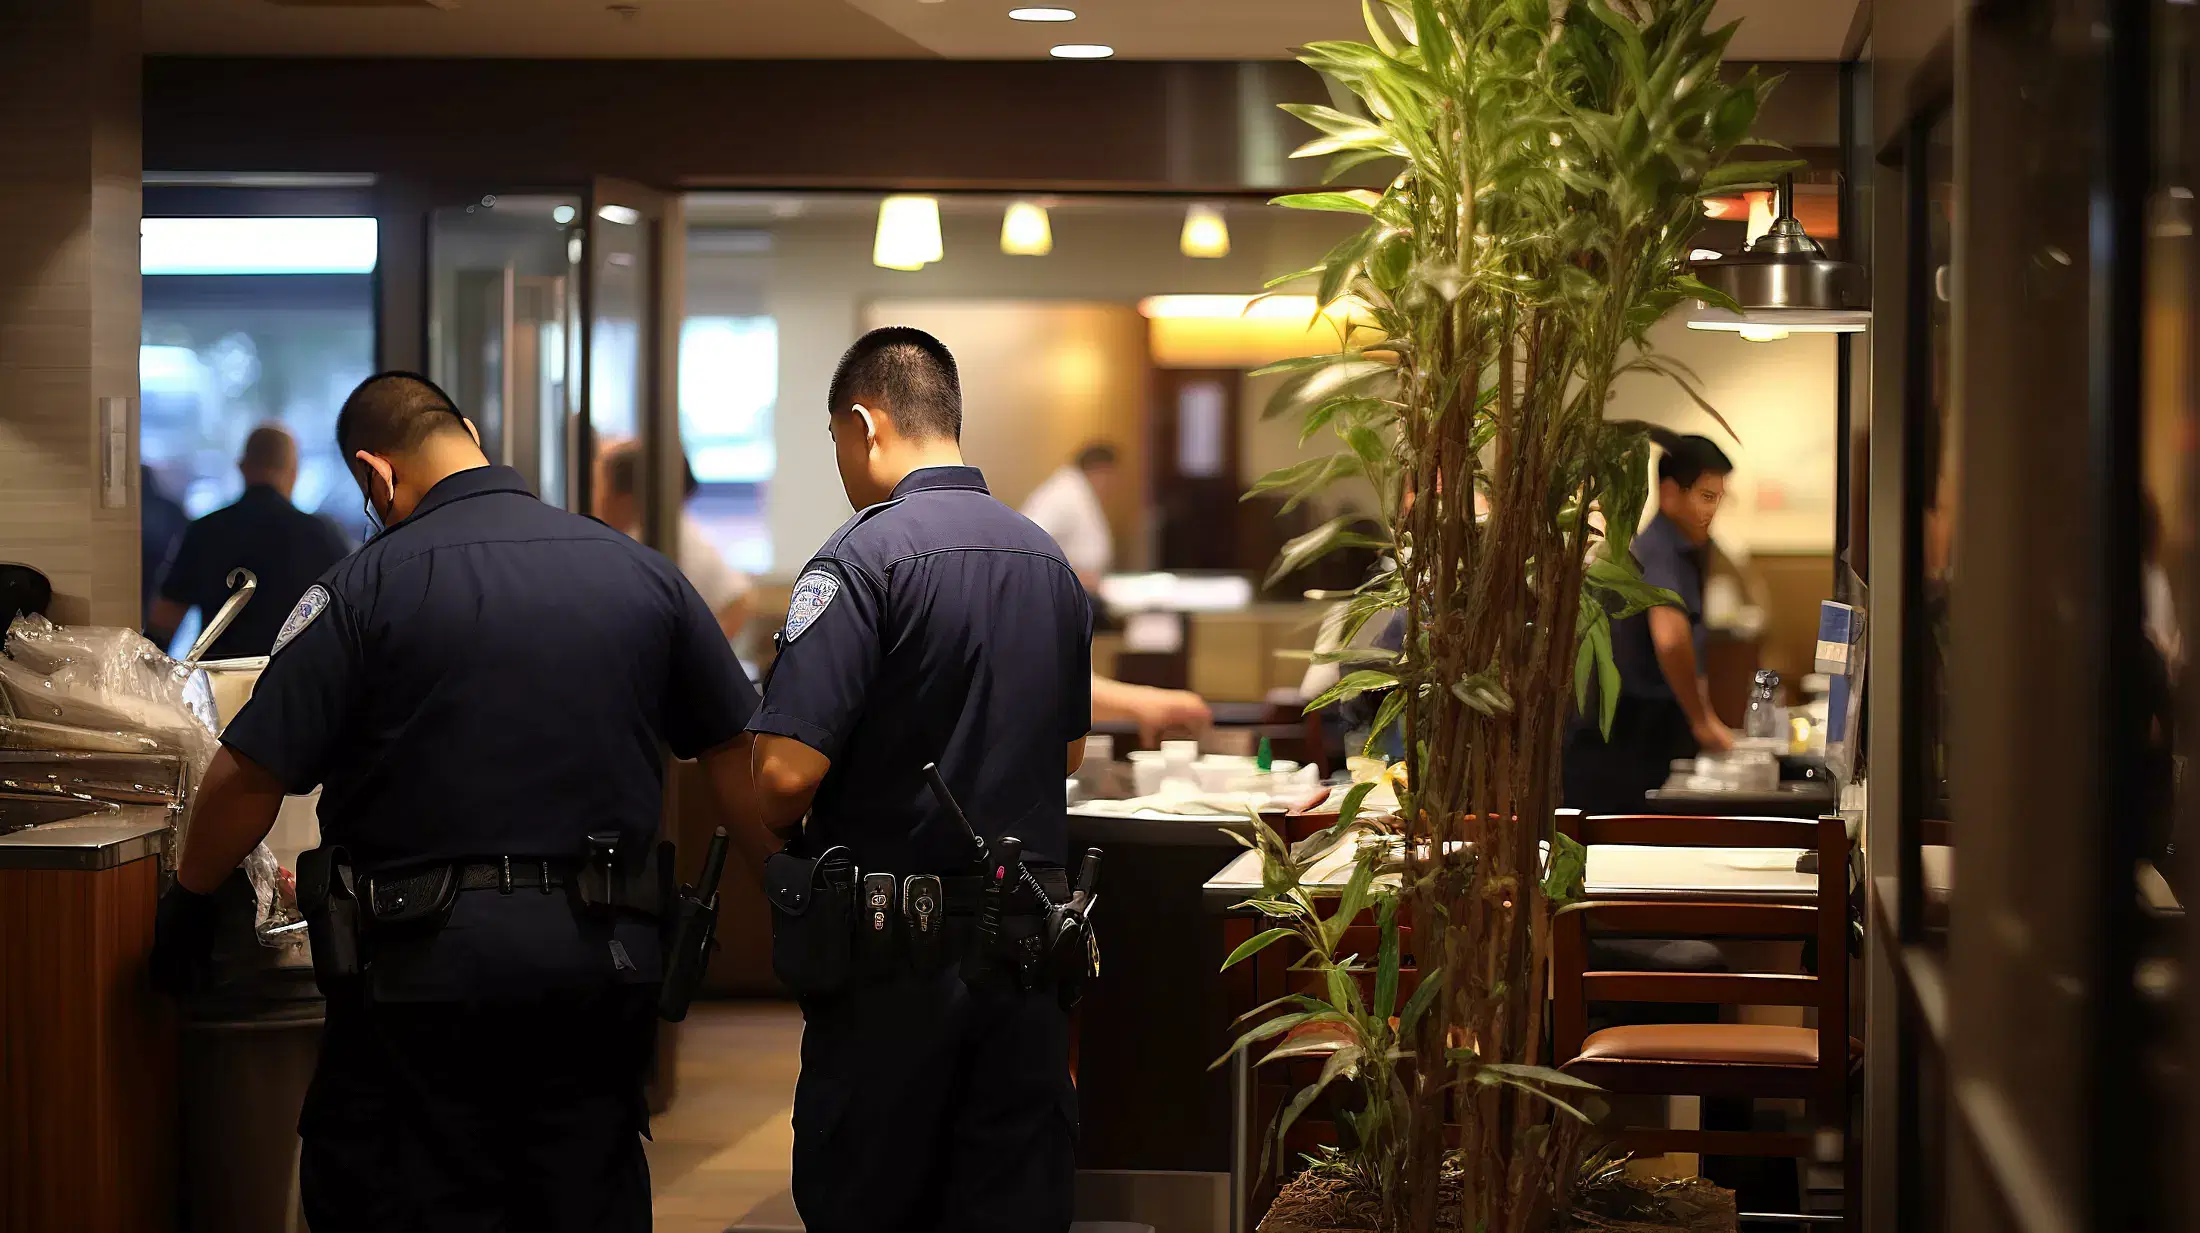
(1785, 284)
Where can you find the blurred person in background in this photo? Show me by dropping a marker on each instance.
(284, 547)
(161, 521)
(1070, 505)
(1664, 711)
(725, 589)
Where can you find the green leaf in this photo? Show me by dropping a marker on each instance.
(1585, 656)
(1348, 810)
(1736, 175)
(1352, 686)
(1484, 691)
(1387, 714)
(1304, 478)
(1695, 288)
(1340, 1063)
(1491, 1076)
(1432, 983)
(1566, 880)
(1607, 684)
(1351, 902)
(1541, 1074)
(1387, 958)
(1332, 121)
(1306, 549)
(1619, 578)
(1339, 203)
(1256, 944)
(1276, 1027)
(1323, 383)
(1679, 376)
(1306, 363)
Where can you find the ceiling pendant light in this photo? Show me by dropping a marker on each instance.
(1785, 284)
(908, 233)
(1205, 234)
(1025, 231)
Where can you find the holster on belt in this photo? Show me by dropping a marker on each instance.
(609, 880)
(813, 918)
(333, 918)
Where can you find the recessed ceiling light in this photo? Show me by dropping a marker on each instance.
(1042, 15)
(1082, 51)
(561, 215)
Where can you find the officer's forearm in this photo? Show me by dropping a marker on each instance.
(785, 775)
(735, 788)
(236, 807)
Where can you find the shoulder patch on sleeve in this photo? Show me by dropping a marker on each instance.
(812, 592)
(310, 605)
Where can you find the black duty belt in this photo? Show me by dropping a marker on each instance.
(513, 873)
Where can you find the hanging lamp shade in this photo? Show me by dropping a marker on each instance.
(1025, 231)
(1205, 234)
(908, 233)
(1785, 284)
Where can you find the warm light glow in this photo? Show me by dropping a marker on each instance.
(1761, 333)
(1770, 330)
(1081, 51)
(1715, 207)
(256, 246)
(1025, 231)
(1251, 307)
(561, 215)
(1041, 15)
(1760, 215)
(1205, 234)
(908, 233)
(1704, 254)
(625, 216)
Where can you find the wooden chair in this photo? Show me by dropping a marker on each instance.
(1714, 1059)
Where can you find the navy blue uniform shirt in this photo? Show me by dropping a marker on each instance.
(937, 626)
(1668, 560)
(285, 547)
(493, 677)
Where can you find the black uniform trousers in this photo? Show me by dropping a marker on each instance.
(927, 1104)
(1611, 776)
(440, 1117)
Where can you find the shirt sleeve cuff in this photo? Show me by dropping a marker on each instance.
(779, 723)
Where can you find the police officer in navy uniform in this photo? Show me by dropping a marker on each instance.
(484, 686)
(937, 625)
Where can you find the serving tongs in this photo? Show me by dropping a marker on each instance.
(242, 583)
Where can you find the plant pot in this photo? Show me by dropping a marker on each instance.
(1314, 1202)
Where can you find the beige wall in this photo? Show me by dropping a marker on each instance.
(1779, 397)
(813, 275)
(69, 205)
(1041, 379)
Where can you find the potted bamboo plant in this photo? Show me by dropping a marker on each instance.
(1551, 159)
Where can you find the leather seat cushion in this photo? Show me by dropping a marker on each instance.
(1734, 1044)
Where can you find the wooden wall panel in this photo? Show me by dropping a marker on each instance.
(87, 1055)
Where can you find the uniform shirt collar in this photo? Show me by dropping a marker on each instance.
(470, 483)
(940, 477)
(1670, 532)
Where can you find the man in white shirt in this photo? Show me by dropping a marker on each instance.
(1068, 506)
(724, 588)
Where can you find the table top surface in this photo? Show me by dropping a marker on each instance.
(94, 841)
(1616, 871)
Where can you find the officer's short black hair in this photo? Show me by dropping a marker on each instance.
(394, 412)
(1098, 454)
(622, 470)
(908, 372)
(1687, 459)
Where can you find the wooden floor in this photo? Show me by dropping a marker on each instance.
(720, 1154)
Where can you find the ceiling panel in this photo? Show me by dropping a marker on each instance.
(842, 29)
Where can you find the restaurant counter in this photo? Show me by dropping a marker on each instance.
(91, 1058)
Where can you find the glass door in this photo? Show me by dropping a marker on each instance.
(503, 303)
(631, 472)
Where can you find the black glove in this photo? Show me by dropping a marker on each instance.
(183, 942)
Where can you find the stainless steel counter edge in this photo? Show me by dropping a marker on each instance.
(133, 834)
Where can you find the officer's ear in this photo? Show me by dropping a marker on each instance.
(471, 431)
(870, 424)
(379, 467)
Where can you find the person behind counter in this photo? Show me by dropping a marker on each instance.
(724, 588)
(284, 547)
(937, 625)
(484, 694)
(1664, 710)
(1070, 506)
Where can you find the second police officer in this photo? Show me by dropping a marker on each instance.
(484, 693)
(937, 626)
